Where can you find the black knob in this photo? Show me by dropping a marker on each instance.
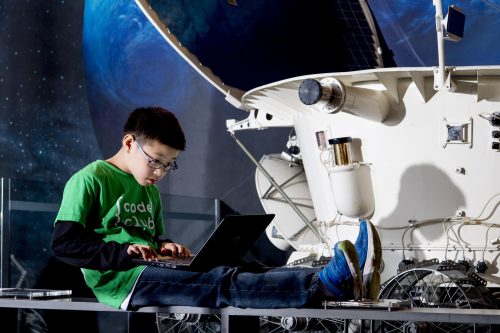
(495, 145)
(481, 267)
(294, 150)
(495, 119)
(495, 134)
(310, 91)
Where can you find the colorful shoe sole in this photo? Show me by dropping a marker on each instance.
(369, 249)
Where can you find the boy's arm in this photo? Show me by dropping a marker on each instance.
(73, 244)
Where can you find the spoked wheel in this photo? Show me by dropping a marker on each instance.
(187, 323)
(197, 323)
(437, 286)
(297, 324)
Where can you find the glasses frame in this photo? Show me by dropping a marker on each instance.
(170, 166)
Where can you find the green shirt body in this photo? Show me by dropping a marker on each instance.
(116, 206)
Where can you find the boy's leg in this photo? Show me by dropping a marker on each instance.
(277, 288)
(223, 286)
(341, 276)
(369, 249)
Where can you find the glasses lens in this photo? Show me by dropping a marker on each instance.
(155, 164)
(159, 165)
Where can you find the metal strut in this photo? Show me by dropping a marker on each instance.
(280, 190)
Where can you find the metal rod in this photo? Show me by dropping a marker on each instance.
(283, 184)
(4, 233)
(284, 201)
(280, 190)
(441, 77)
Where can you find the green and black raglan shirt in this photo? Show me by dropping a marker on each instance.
(103, 210)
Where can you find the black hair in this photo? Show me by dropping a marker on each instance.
(155, 123)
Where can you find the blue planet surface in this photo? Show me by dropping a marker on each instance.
(409, 30)
(128, 64)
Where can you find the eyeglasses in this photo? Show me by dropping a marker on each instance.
(155, 164)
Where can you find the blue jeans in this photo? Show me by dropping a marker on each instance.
(222, 286)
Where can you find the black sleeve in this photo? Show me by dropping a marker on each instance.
(73, 244)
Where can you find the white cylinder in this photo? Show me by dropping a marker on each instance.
(352, 190)
(331, 95)
(366, 103)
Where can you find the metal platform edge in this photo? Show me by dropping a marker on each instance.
(451, 315)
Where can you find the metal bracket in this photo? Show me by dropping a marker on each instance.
(457, 133)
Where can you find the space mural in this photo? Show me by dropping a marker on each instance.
(70, 71)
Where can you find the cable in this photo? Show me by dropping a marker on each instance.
(330, 241)
(484, 208)
(413, 224)
(457, 239)
(403, 240)
(448, 238)
(460, 236)
(446, 231)
(486, 242)
(337, 226)
(392, 228)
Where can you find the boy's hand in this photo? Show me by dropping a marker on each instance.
(146, 252)
(174, 250)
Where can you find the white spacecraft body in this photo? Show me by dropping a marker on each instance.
(422, 157)
(431, 161)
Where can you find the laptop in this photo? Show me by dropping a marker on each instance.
(33, 293)
(226, 246)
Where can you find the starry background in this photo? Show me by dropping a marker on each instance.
(45, 129)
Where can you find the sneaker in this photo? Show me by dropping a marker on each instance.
(369, 251)
(341, 276)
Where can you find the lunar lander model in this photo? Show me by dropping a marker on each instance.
(415, 150)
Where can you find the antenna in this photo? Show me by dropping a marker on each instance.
(450, 28)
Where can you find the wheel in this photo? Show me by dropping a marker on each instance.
(196, 323)
(187, 323)
(298, 324)
(437, 286)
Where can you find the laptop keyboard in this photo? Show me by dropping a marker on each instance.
(176, 261)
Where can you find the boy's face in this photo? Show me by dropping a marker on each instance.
(149, 161)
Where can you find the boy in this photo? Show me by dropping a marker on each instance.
(111, 212)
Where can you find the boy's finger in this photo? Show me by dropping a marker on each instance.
(153, 254)
(144, 251)
(132, 249)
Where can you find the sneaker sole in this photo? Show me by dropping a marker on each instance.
(371, 270)
(347, 248)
